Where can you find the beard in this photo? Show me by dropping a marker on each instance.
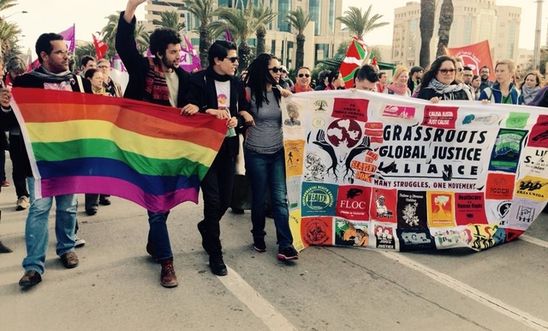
(170, 64)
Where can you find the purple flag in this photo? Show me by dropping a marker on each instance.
(190, 60)
(69, 35)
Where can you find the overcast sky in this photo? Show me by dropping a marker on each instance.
(89, 16)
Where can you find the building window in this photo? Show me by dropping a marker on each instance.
(331, 20)
(273, 47)
(283, 9)
(321, 53)
(314, 8)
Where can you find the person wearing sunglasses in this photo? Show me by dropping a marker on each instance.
(439, 83)
(264, 153)
(217, 91)
(503, 89)
(302, 82)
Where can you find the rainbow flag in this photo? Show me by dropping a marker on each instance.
(85, 143)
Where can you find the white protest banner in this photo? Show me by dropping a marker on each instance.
(375, 170)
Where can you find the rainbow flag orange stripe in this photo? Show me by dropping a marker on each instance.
(84, 143)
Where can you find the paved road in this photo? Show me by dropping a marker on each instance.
(116, 285)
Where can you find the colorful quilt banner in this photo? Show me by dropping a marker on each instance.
(84, 143)
(374, 170)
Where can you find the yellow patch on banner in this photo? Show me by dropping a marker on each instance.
(441, 206)
(534, 188)
(294, 151)
(295, 226)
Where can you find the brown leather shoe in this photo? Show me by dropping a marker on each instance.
(69, 260)
(29, 279)
(167, 276)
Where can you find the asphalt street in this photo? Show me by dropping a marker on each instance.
(116, 286)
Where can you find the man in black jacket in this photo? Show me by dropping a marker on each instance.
(52, 74)
(160, 81)
(216, 91)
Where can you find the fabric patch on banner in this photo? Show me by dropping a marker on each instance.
(415, 239)
(294, 150)
(534, 161)
(351, 233)
(384, 236)
(534, 188)
(383, 205)
(499, 186)
(498, 211)
(295, 227)
(481, 236)
(517, 120)
(319, 199)
(353, 202)
(505, 155)
(317, 230)
(440, 116)
(523, 212)
(441, 207)
(538, 136)
(448, 238)
(355, 109)
(470, 208)
(403, 112)
(412, 209)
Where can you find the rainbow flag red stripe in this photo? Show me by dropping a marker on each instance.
(84, 143)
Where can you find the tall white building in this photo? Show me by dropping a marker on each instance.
(323, 35)
(474, 21)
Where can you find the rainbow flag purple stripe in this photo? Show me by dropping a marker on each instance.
(84, 143)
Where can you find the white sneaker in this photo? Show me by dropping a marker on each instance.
(79, 242)
(22, 203)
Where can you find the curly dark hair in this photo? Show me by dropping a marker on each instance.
(160, 38)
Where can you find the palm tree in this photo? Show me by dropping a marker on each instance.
(5, 4)
(264, 15)
(170, 19)
(108, 34)
(242, 23)
(83, 50)
(9, 33)
(426, 26)
(203, 11)
(299, 20)
(446, 19)
(360, 23)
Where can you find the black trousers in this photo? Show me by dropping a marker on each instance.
(19, 159)
(3, 148)
(217, 193)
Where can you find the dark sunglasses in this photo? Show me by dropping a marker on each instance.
(233, 59)
(304, 75)
(447, 71)
(275, 69)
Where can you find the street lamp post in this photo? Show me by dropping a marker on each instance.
(536, 52)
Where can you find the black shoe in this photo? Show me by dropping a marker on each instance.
(217, 265)
(4, 249)
(104, 201)
(287, 253)
(259, 244)
(29, 279)
(91, 211)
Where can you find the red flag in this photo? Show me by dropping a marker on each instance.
(355, 55)
(100, 47)
(475, 56)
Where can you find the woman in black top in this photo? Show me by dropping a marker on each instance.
(439, 82)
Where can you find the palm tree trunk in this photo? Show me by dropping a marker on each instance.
(261, 33)
(427, 30)
(243, 53)
(299, 59)
(204, 45)
(446, 19)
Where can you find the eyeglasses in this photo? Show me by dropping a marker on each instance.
(275, 69)
(460, 69)
(447, 71)
(103, 66)
(232, 59)
(304, 75)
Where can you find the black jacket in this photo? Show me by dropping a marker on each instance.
(138, 66)
(428, 93)
(202, 92)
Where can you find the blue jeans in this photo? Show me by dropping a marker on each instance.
(36, 229)
(267, 171)
(158, 236)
